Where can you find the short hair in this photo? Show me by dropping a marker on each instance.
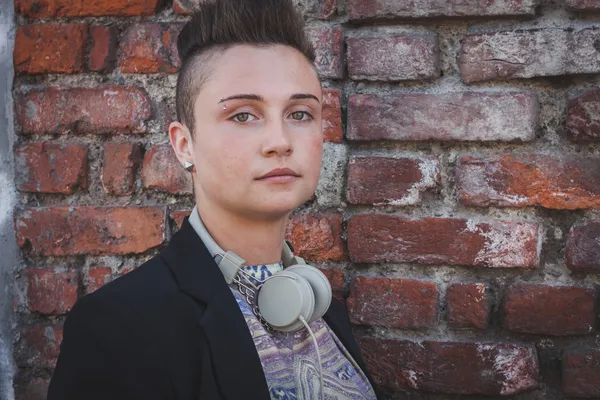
(220, 24)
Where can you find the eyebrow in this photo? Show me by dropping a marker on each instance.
(296, 96)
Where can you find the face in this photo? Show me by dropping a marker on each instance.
(258, 136)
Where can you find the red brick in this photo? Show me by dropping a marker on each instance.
(393, 9)
(395, 303)
(323, 9)
(329, 50)
(90, 230)
(51, 291)
(584, 4)
(394, 57)
(41, 345)
(39, 9)
(379, 238)
(468, 305)
(150, 48)
(178, 216)
(452, 367)
(391, 181)
(111, 109)
(317, 237)
(163, 172)
(529, 53)
(50, 48)
(96, 277)
(549, 310)
(31, 388)
(186, 7)
(583, 247)
(581, 372)
(467, 116)
(103, 53)
(335, 275)
(332, 116)
(583, 121)
(121, 161)
(52, 168)
(519, 180)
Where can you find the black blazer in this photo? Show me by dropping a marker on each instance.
(171, 329)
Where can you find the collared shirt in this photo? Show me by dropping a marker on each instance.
(289, 360)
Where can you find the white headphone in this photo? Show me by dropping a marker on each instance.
(298, 295)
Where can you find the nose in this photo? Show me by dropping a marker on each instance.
(277, 140)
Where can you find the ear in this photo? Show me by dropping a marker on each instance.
(181, 141)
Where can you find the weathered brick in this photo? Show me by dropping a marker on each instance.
(40, 345)
(317, 237)
(394, 57)
(163, 172)
(52, 168)
(51, 291)
(391, 181)
(549, 310)
(103, 53)
(584, 4)
(332, 116)
(583, 121)
(329, 50)
(467, 116)
(393, 9)
(111, 109)
(519, 180)
(378, 238)
(90, 230)
(469, 305)
(335, 275)
(583, 247)
(529, 53)
(391, 302)
(323, 9)
(186, 7)
(121, 161)
(452, 367)
(50, 48)
(178, 215)
(150, 48)
(39, 9)
(95, 277)
(581, 372)
(31, 388)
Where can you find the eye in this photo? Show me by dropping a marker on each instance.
(300, 115)
(243, 117)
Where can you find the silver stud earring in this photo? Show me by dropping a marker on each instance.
(188, 166)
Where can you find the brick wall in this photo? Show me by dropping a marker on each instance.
(459, 209)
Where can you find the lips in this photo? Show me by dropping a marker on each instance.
(280, 172)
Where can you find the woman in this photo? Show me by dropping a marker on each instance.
(203, 320)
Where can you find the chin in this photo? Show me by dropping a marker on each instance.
(279, 206)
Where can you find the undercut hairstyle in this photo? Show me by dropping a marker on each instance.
(220, 24)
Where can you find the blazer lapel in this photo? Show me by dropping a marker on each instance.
(234, 357)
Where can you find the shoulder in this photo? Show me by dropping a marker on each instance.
(129, 297)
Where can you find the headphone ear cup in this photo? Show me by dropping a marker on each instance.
(320, 286)
(283, 298)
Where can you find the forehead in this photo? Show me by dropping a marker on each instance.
(270, 71)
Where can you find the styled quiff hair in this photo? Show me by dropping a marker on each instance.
(220, 24)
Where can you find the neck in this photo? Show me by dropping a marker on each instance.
(256, 241)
